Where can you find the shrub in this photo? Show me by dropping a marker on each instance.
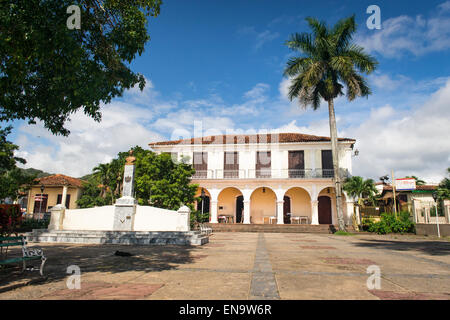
(30, 224)
(389, 224)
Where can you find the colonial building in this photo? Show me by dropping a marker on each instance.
(49, 191)
(283, 178)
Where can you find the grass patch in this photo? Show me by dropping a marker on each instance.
(344, 233)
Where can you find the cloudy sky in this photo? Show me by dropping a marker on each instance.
(218, 66)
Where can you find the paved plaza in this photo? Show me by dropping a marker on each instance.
(244, 266)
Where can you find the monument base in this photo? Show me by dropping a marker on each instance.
(124, 214)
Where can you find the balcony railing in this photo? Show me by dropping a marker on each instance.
(269, 174)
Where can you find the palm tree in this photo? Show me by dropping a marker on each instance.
(360, 189)
(329, 63)
(419, 182)
(102, 173)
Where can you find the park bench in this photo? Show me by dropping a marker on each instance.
(205, 230)
(27, 253)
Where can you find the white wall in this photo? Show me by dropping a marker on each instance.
(102, 219)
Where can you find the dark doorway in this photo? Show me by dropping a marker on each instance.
(205, 207)
(327, 164)
(286, 210)
(325, 210)
(239, 208)
(59, 200)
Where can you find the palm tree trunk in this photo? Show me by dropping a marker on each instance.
(335, 154)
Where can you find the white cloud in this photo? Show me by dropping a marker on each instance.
(260, 38)
(405, 34)
(412, 142)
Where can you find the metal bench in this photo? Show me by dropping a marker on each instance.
(205, 230)
(27, 253)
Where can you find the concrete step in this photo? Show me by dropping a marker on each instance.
(118, 237)
(272, 228)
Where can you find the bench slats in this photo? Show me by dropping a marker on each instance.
(10, 238)
(14, 260)
(10, 244)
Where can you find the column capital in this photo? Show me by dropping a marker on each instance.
(314, 201)
(280, 201)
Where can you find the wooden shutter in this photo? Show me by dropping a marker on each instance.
(231, 165)
(327, 163)
(263, 164)
(200, 162)
(296, 162)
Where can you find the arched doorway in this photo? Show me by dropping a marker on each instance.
(227, 203)
(287, 210)
(239, 209)
(325, 210)
(263, 205)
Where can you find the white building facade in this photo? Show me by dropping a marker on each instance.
(280, 178)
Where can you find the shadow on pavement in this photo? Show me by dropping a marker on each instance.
(91, 258)
(435, 248)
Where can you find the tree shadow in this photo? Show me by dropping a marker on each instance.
(434, 248)
(95, 258)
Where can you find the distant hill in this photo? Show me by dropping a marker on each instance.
(35, 172)
(86, 177)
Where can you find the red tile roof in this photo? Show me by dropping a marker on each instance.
(420, 188)
(59, 180)
(253, 138)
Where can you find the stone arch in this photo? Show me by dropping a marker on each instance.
(227, 203)
(263, 204)
(300, 205)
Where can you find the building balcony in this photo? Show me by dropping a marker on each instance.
(269, 174)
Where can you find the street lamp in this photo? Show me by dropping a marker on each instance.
(203, 199)
(42, 199)
(435, 197)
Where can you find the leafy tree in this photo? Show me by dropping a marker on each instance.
(11, 178)
(444, 187)
(48, 71)
(7, 159)
(158, 181)
(162, 183)
(360, 188)
(329, 63)
(91, 195)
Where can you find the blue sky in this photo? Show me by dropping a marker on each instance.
(221, 63)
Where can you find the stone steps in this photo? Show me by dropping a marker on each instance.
(118, 237)
(274, 228)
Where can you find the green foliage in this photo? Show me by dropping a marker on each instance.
(7, 159)
(329, 61)
(359, 188)
(48, 72)
(162, 183)
(444, 188)
(91, 195)
(343, 233)
(11, 177)
(389, 224)
(197, 217)
(28, 225)
(419, 182)
(158, 181)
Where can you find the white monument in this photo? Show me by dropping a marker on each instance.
(125, 207)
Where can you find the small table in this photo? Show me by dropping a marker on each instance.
(299, 219)
(224, 218)
(271, 219)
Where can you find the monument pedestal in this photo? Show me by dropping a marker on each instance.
(124, 213)
(125, 207)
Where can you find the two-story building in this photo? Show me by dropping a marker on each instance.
(266, 178)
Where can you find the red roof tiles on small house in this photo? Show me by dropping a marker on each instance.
(254, 138)
(59, 180)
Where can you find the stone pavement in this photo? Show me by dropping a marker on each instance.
(244, 266)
